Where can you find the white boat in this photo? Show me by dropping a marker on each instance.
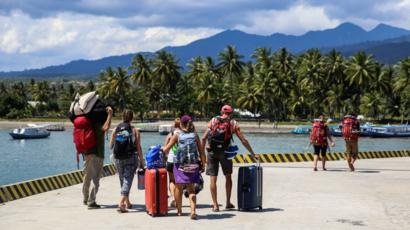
(29, 133)
(165, 129)
(390, 131)
(48, 127)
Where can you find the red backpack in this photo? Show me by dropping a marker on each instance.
(318, 134)
(221, 134)
(349, 124)
(83, 135)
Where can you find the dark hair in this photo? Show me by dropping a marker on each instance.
(127, 116)
(189, 126)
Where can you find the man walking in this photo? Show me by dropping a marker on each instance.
(94, 161)
(219, 136)
(351, 132)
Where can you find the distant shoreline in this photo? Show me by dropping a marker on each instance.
(247, 127)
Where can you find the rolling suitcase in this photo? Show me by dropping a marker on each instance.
(250, 180)
(156, 191)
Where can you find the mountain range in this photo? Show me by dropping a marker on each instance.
(387, 43)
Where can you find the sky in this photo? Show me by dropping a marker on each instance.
(39, 33)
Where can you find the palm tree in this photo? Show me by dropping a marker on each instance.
(251, 99)
(141, 70)
(334, 68)
(166, 70)
(120, 85)
(360, 72)
(230, 66)
(402, 87)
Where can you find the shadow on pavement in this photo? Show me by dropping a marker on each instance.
(135, 207)
(216, 216)
(263, 210)
(367, 171)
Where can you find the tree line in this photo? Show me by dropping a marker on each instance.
(277, 85)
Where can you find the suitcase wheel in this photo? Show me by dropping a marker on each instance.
(260, 207)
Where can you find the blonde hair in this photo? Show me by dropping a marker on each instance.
(177, 123)
(127, 116)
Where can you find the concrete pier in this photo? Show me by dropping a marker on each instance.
(376, 196)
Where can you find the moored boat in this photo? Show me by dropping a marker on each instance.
(165, 129)
(390, 131)
(29, 133)
(302, 129)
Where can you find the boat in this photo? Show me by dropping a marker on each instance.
(302, 129)
(165, 129)
(364, 130)
(29, 133)
(147, 127)
(48, 127)
(390, 131)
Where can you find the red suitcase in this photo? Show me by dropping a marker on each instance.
(156, 191)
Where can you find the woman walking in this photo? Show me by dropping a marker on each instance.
(126, 144)
(171, 160)
(189, 163)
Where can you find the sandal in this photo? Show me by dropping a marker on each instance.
(230, 206)
(120, 210)
(194, 216)
(314, 169)
(129, 206)
(215, 209)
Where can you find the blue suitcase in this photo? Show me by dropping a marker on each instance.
(250, 180)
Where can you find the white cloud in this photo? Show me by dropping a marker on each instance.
(68, 36)
(295, 20)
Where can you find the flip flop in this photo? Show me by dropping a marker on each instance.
(194, 217)
(230, 206)
(215, 209)
(122, 210)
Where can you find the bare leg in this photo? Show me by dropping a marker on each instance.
(123, 204)
(228, 187)
(172, 188)
(178, 198)
(315, 159)
(324, 162)
(192, 200)
(214, 193)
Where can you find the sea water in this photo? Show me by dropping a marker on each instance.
(29, 159)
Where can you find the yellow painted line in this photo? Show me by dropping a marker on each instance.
(28, 191)
(13, 193)
(63, 178)
(62, 185)
(298, 156)
(248, 158)
(33, 186)
(56, 186)
(49, 183)
(241, 161)
(20, 189)
(234, 160)
(270, 158)
(277, 158)
(3, 196)
(38, 186)
(262, 158)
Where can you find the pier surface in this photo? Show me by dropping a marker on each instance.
(376, 196)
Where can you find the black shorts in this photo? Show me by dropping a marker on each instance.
(170, 167)
(320, 150)
(216, 158)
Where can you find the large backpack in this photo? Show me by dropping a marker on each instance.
(349, 125)
(318, 134)
(83, 135)
(220, 134)
(124, 145)
(154, 157)
(187, 151)
(83, 104)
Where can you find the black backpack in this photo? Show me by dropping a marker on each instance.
(124, 147)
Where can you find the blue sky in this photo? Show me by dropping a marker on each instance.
(38, 33)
